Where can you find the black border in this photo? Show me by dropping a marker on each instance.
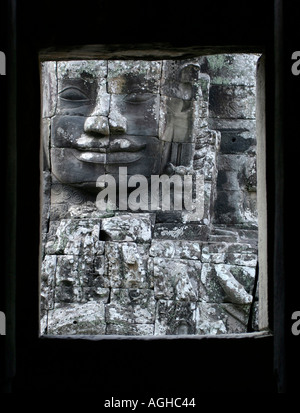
(178, 367)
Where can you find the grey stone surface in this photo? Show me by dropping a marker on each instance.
(224, 69)
(176, 249)
(75, 236)
(126, 265)
(87, 318)
(237, 102)
(221, 318)
(177, 280)
(149, 271)
(48, 74)
(175, 318)
(132, 306)
(137, 228)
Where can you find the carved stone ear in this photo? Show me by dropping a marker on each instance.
(189, 85)
(189, 73)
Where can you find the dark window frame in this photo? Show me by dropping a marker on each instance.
(102, 52)
(34, 362)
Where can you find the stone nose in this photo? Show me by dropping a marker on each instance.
(104, 126)
(97, 125)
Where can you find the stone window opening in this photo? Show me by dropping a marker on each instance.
(144, 272)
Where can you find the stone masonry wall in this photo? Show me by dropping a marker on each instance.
(155, 272)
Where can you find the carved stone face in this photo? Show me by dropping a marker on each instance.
(138, 114)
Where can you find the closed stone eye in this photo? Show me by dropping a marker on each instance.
(73, 94)
(136, 98)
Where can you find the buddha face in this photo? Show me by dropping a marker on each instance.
(121, 113)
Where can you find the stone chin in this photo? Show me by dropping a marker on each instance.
(82, 167)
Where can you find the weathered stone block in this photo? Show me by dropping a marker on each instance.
(80, 278)
(125, 75)
(243, 234)
(135, 107)
(176, 120)
(67, 280)
(65, 166)
(46, 201)
(236, 190)
(48, 270)
(246, 126)
(50, 244)
(177, 279)
(229, 253)
(81, 69)
(77, 318)
(236, 172)
(201, 206)
(127, 227)
(131, 329)
(100, 276)
(181, 231)
(67, 270)
(87, 209)
(46, 144)
(209, 319)
(231, 69)
(232, 102)
(126, 265)
(205, 157)
(77, 237)
(237, 141)
(227, 283)
(175, 318)
(176, 249)
(95, 293)
(221, 318)
(49, 88)
(235, 207)
(182, 154)
(130, 306)
(68, 195)
(234, 290)
(183, 80)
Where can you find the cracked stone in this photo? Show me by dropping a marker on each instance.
(131, 306)
(221, 318)
(175, 249)
(77, 318)
(177, 279)
(175, 318)
(126, 265)
(134, 227)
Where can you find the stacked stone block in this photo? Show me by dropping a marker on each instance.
(134, 283)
